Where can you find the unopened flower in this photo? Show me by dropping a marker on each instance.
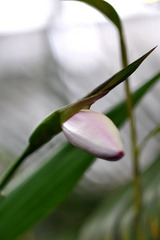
(94, 133)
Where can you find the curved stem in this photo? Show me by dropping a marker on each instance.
(135, 153)
(13, 167)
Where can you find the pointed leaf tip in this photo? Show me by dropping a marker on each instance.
(151, 50)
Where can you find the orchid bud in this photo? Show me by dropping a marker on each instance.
(94, 133)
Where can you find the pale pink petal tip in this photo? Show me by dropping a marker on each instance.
(118, 156)
(94, 133)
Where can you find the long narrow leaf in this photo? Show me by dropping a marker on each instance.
(42, 192)
(121, 108)
(106, 9)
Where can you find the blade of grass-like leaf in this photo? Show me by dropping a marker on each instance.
(121, 108)
(46, 188)
(42, 191)
(106, 9)
(120, 76)
(52, 124)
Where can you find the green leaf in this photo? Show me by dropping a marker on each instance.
(47, 187)
(106, 9)
(42, 191)
(121, 108)
(120, 76)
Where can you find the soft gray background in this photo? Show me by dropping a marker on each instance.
(45, 69)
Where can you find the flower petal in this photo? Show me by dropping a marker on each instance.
(94, 133)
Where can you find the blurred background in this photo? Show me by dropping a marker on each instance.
(55, 52)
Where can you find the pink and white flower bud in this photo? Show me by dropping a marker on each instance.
(94, 133)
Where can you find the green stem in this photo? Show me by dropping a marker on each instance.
(13, 167)
(135, 155)
(151, 134)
